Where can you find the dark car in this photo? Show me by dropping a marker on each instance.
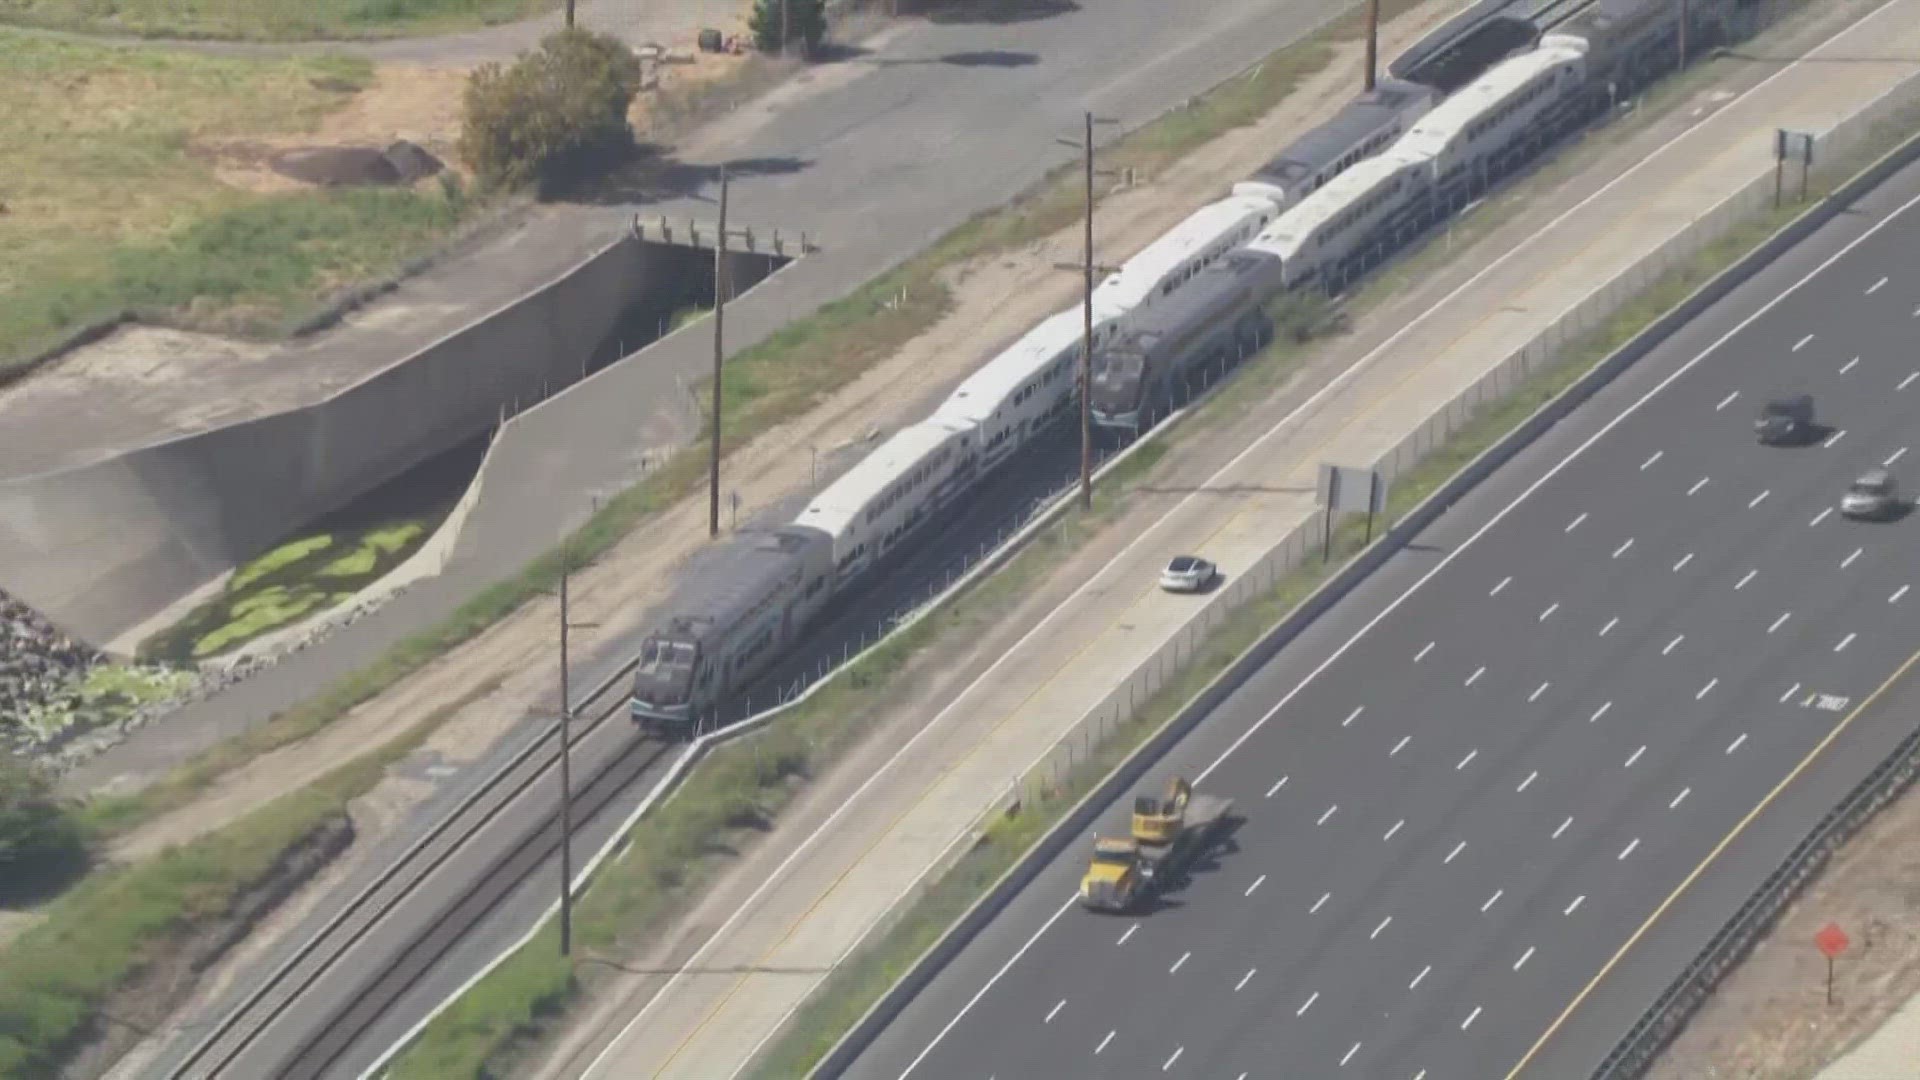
(1785, 420)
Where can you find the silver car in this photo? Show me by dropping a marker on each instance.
(1187, 573)
(1874, 495)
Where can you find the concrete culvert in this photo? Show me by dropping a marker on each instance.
(412, 162)
(334, 166)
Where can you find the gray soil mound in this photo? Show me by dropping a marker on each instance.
(339, 166)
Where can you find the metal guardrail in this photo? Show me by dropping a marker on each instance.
(1636, 1050)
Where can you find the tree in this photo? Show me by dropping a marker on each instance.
(553, 113)
(806, 23)
(39, 838)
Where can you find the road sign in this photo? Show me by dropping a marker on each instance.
(1831, 941)
(1344, 488)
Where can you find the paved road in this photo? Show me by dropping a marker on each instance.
(1467, 789)
(862, 159)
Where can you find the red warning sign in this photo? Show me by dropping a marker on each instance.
(1831, 940)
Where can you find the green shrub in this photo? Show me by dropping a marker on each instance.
(40, 841)
(806, 22)
(553, 114)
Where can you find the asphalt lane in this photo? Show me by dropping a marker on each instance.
(1457, 821)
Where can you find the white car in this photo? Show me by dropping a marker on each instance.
(1873, 496)
(1187, 573)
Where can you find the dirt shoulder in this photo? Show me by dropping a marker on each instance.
(1769, 1019)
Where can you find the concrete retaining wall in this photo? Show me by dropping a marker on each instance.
(102, 547)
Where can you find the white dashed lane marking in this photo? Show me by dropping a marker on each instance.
(1697, 485)
(1575, 906)
(1423, 974)
(1277, 785)
(1820, 517)
(1611, 623)
(1907, 380)
(1897, 594)
(1477, 672)
(1104, 1042)
(1742, 583)
(1777, 622)
(1649, 462)
(1524, 957)
(1504, 582)
(1677, 799)
(1735, 745)
(1575, 523)
(1628, 850)
(1600, 712)
(1354, 715)
(1834, 438)
(1320, 903)
(1726, 401)
(1622, 549)
(1848, 366)
(1895, 456)
(1307, 1004)
(1562, 828)
(1055, 1011)
(1255, 885)
(1524, 784)
(1802, 343)
(1422, 654)
(1844, 642)
(1876, 286)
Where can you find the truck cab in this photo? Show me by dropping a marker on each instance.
(1112, 876)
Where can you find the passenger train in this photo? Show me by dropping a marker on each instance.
(1391, 163)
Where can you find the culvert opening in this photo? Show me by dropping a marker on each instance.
(325, 562)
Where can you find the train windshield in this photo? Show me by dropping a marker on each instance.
(1117, 379)
(666, 666)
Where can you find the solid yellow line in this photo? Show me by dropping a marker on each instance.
(1708, 861)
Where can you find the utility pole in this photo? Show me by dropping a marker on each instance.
(566, 769)
(566, 755)
(783, 29)
(719, 317)
(1373, 38)
(1683, 34)
(1086, 342)
(1086, 267)
(569, 14)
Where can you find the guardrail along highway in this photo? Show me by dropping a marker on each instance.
(1485, 772)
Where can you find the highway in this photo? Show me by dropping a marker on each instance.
(1489, 769)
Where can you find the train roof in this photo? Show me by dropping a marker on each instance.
(1144, 272)
(1603, 16)
(1352, 125)
(1434, 131)
(846, 498)
(1198, 301)
(975, 399)
(724, 582)
(1282, 238)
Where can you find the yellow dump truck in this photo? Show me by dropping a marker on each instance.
(1168, 834)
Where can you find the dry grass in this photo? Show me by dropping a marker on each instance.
(267, 19)
(115, 197)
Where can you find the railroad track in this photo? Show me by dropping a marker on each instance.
(241, 1027)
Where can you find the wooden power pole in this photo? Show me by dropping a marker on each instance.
(566, 770)
(1086, 340)
(719, 319)
(1373, 38)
